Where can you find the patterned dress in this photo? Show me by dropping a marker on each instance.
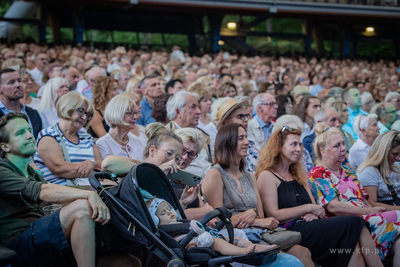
(325, 186)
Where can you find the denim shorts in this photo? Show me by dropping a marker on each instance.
(43, 244)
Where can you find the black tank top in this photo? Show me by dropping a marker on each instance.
(105, 125)
(291, 194)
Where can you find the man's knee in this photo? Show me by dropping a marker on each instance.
(80, 209)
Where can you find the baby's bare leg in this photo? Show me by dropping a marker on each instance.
(226, 248)
(240, 242)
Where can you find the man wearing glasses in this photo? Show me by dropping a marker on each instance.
(351, 96)
(41, 61)
(259, 129)
(387, 115)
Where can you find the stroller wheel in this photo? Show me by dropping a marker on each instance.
(176, 263)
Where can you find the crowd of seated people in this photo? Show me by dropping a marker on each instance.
(292, 142)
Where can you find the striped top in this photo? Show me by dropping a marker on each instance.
(77, 152)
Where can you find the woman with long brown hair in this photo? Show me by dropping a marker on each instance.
(228, 184)
(103, 91)
(306, 109)
(286, 197)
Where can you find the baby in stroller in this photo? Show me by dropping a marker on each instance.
(163, 213)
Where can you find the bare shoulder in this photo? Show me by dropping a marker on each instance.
(267, 177)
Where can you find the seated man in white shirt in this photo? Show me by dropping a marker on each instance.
(260, 127)
(387, 115)
(41, 61)
(367, 129)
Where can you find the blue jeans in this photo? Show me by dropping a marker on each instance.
(43, 244)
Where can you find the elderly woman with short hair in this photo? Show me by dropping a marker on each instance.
(53, 90)
(367, 129)
(298, 92)
(121, 113)
(66, 154)
(227, 88)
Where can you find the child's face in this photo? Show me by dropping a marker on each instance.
(165, 213)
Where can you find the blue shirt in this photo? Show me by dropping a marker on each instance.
(88, 93)
(23, 110)
(264, 127)
(146, 113)
(348, 127)
(316, 89)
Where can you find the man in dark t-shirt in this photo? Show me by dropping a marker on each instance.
(42, 241)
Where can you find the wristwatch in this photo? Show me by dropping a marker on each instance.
(94, 163)
(256, 211)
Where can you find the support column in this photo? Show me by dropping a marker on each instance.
(80, 24)
(55, 27)
(319, 41)
(43, 23)
(347, 40)
(215, 27)
(192, 43)
(307, 30)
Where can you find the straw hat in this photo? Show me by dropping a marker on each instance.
(226, 110)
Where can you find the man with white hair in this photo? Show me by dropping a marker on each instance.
(367, 129)
(93, 73)
(394, 99)
(123, 78)
(260, 127)
(330, 117)
(183, 110)
(41, 61)
(367, 101)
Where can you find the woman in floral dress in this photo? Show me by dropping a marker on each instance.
(336, 188)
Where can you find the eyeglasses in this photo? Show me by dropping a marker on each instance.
(290, 129)
(169, 155)
(271, 104)
(82, 112)
(43, 59)
(191, 154)
(243, 117)
(131, 114)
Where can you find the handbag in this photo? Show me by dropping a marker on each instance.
(65, 154)
(278, 236)
(282, 237)
(393, 193)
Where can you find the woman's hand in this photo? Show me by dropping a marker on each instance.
(270, 223)
(189, 194)
(376, 210)
(317, 210)
(244, 219)
(169, 167)
(309, 217)
(84, 169)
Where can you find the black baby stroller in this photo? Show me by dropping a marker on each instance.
(132, 230)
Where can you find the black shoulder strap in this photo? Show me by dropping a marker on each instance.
(276, 176)
(393, 193)
(1, 113)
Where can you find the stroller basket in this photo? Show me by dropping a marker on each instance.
(128, 208)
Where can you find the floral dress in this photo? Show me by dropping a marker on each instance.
(325, 186)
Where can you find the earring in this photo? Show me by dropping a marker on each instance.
(324, 158)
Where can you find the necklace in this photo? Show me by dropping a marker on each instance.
(118, 140)
(71, 134)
